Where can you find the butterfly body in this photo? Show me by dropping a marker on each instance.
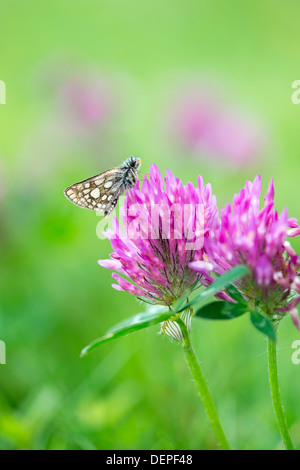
(101, 192)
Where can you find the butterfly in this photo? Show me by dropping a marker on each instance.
(101, 192)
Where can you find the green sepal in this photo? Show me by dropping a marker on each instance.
(263, 324)
(235, 294)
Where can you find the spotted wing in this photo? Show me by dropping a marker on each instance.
(100, 192)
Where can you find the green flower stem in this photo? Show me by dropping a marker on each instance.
(275, 394)
(203, 388)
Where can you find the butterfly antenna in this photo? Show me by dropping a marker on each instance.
(141, 174)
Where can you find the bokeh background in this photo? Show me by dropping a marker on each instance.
(198, 87)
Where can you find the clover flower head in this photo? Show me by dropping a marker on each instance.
(258, 238)
(165, 226)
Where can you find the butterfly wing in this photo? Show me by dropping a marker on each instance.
(100, 192)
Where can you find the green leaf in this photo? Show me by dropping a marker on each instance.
(221, 283)
(263, 324)
(235, 294)
(137, 322)
(221, 311)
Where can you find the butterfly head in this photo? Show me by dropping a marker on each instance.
(132, 163)
(130, 169)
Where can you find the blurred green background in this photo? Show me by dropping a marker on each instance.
(89, 83)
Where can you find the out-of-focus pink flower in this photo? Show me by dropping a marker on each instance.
(202, 125)
(83, 107)
(257, 237)
(88, 102)
(166, 226)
